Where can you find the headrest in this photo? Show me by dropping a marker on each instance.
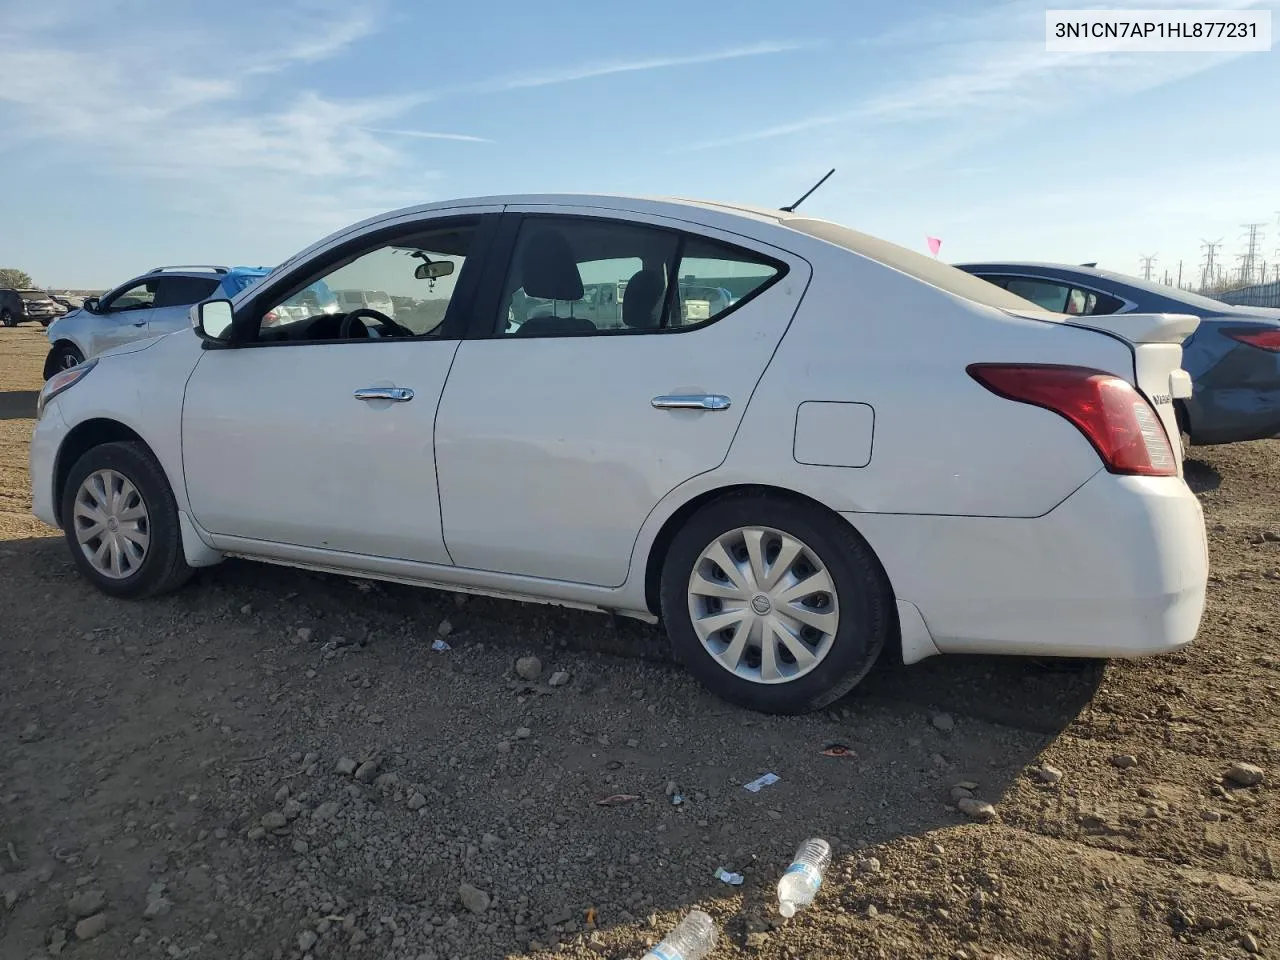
(642, 300)
(548, 270)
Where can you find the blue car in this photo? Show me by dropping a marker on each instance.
(1233, 356)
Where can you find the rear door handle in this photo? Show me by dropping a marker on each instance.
(692, 401)
(395, 394)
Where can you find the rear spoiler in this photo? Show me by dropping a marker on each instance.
(1134, 327)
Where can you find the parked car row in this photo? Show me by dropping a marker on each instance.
(857, 450)
(20, 305)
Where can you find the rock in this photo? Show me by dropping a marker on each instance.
(477, 901)
(869, 865)
(300, 846)
(960, 793)
(558, 679)
(976, 809)
(490, 840)
(256, 833)
(529, 668)
(366, 772)
(282, 794)
(86, 903)
(417, 801)
(247, 609)
(1211, 816)
(306, 940)
(1047, 774)
(1271, 536)
(345, 767)
(943, 722)
(444, 629)
(523, 733)
(358, 936)
(1245, 774)
(1124, 761)
(304, 634)
(292, 809)
(672, 788)
(91, 927)
(504, 746)
(871, 912)
(1250, 943)
(326, 811)
(273, 820)
(158, 907)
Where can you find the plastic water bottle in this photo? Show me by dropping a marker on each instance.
(799, 885)
(693, 938)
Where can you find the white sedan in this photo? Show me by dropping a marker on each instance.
(865, 451)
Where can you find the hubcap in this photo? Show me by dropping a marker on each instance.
(763, 605)
(111, 524)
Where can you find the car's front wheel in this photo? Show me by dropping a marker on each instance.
(774, 604)
(121, 522)
(63, 356)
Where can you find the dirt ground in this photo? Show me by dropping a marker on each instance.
(172, 773)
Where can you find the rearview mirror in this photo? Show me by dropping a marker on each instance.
(433, 271)
(90, 304)
(213, 320)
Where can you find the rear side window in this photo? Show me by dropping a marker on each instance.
(1058, 296)
(579, 276)
(183, 291)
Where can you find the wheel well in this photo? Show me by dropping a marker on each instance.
(82, 438)
(1183, 417)
(662, 543)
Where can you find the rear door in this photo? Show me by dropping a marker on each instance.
(556, 438)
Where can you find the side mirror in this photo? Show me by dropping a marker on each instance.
(433, 271)
(213, 321)
(90, 304)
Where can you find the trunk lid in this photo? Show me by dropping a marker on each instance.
(1156, 341)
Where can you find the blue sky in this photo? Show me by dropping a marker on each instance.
(140, 132)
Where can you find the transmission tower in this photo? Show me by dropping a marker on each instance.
(1146, 265)
(1209, 274)
(1249, 259)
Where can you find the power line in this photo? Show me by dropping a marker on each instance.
(1146, 265)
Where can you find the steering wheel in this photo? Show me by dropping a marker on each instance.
(348, 324)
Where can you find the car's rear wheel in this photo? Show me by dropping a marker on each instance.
(7, 319)
(121, 522)
(774, 604)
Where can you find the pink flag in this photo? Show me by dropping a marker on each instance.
(934, 245)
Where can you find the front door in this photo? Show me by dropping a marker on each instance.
(556, 437)
(123, 315)
(317, 431)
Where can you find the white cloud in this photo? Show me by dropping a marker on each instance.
(603, 68)
(429, 135)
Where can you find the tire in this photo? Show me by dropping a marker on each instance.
(861, 600)
(162, 566)
(62, 357)
(7, 319)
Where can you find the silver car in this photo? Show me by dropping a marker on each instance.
(146, 306)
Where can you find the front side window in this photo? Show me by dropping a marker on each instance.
(183, 291)
(141, 296)
(400, 288)
(578, 276)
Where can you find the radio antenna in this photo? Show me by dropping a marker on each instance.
(792, 208)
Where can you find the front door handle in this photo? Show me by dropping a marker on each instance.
(395, 394)
(141, 323)
(692, 401)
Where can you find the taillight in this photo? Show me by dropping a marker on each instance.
(1262, 339)
(1113, 416)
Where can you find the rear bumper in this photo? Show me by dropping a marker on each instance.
(1119, 569)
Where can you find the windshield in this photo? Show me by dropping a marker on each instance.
(33, 295)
